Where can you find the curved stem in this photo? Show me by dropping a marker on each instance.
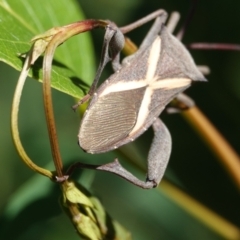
(63, 34)
(48, 107)
(215, 141)
(14, 122)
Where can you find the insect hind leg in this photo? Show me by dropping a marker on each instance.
(157, 160)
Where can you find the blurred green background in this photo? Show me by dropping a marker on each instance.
(29, 203)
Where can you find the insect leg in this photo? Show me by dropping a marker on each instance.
(159, 13)
(159, 152)
(180, 103)
(153, 32)
(112, 45)
(157, 159)
(150, 37)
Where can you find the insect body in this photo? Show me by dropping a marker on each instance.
(130, 101)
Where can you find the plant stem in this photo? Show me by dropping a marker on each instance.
(211, 219)
(215, 141)
(63, 34)
(14, 122)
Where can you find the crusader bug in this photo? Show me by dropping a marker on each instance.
(131, 99)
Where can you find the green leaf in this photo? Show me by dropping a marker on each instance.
(23, 19)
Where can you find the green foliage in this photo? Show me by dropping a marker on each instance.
(29, 203)
(19, 25)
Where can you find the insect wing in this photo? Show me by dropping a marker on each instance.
(109, 119)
